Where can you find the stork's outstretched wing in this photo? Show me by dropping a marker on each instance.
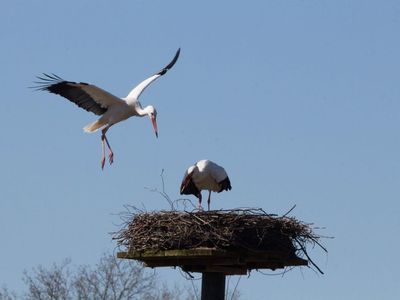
(135, 93)
(86, 96)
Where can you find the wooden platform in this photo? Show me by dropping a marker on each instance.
(214, 260)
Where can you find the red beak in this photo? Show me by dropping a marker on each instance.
(154, 122)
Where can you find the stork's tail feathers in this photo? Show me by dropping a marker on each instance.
(225, 185)
(95, 126)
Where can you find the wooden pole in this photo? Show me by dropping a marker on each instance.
(213, 286)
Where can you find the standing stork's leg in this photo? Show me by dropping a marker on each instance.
(199, 196)
(209, 199)
(110, 152)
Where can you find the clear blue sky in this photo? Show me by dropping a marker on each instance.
(298, 100)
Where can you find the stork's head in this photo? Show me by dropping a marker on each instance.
(152, 113)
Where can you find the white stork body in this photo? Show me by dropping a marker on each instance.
(100, 102)
(117, 112)
(205, 175)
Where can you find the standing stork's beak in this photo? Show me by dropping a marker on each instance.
(154, 122)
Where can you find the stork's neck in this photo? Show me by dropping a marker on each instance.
(138, 109)
(142, 111)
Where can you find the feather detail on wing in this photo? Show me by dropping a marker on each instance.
(137, 91)
(86, 96)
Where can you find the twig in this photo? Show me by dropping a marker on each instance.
(308, 257)
(293, 207)
(234, 290)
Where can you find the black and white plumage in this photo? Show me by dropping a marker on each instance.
(100, 102)
(205, 175)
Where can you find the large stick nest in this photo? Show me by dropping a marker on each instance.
(238, 229)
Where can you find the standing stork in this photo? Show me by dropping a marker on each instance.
(100, 102)
(205, 175)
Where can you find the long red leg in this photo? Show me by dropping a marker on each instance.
(110, 152)
(209, 200)
(103, 157)
(200, 208)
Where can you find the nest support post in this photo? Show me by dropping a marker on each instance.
(213, 264)
(213, 286)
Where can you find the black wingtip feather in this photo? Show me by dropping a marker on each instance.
(70, 90)
(225, 185)
(171, 64)
(46, 80)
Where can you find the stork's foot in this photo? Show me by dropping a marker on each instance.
(103, 162)
(111, 157)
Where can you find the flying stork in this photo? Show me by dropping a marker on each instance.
(205, 175)
(100, 102)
